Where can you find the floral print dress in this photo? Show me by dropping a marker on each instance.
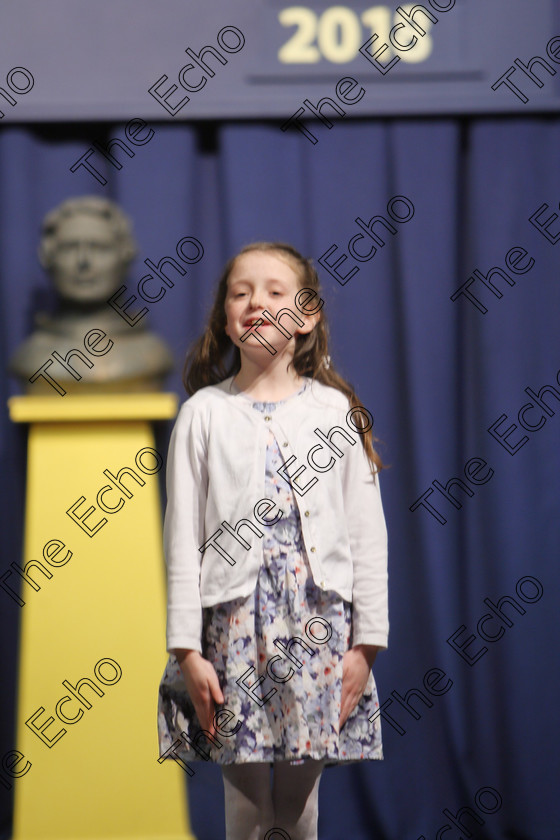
(283, 700)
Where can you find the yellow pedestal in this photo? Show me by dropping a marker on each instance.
(100, 616)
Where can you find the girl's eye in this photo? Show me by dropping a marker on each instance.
(239, 294)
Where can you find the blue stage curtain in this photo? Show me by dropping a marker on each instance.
(435, 373)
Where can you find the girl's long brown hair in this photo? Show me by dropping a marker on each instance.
(214, 357)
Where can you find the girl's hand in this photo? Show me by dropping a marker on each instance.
(356, 666)
(202, 685)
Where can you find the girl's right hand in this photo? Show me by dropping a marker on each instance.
(202, 685)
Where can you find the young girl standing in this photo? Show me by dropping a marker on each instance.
(276, 550)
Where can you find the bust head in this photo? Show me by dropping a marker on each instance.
(86, 246)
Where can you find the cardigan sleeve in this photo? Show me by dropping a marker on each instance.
(368, 544)
(183, 530)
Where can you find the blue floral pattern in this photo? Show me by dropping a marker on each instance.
(296, 719)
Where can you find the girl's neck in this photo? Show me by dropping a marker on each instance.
(270, 385)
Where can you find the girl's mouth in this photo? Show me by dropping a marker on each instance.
(253, 321)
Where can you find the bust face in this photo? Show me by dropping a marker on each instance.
(87, 265)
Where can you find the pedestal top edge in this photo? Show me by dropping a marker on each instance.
(88, 407)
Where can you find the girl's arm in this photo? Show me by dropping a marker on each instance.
(356, 666)
(368, 545)
(183, 530)
(202, 685)
(369, 652)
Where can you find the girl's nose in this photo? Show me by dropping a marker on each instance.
(255, 301)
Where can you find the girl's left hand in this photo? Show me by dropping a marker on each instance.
(356, 666)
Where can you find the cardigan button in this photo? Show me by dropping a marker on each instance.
(285, 443)
(313, 548)
(268, 417)
(306, 513)
(323, 585)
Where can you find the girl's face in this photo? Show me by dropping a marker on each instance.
(262, 280)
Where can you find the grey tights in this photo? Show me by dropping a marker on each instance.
(287, 811)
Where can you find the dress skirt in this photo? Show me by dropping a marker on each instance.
(282, 700)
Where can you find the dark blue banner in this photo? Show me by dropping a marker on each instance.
(114, 60)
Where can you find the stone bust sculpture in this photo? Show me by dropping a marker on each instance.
(87, 247)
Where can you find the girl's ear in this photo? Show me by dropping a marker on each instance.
(310, 322)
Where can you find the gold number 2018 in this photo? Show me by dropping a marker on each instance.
(339, 34)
